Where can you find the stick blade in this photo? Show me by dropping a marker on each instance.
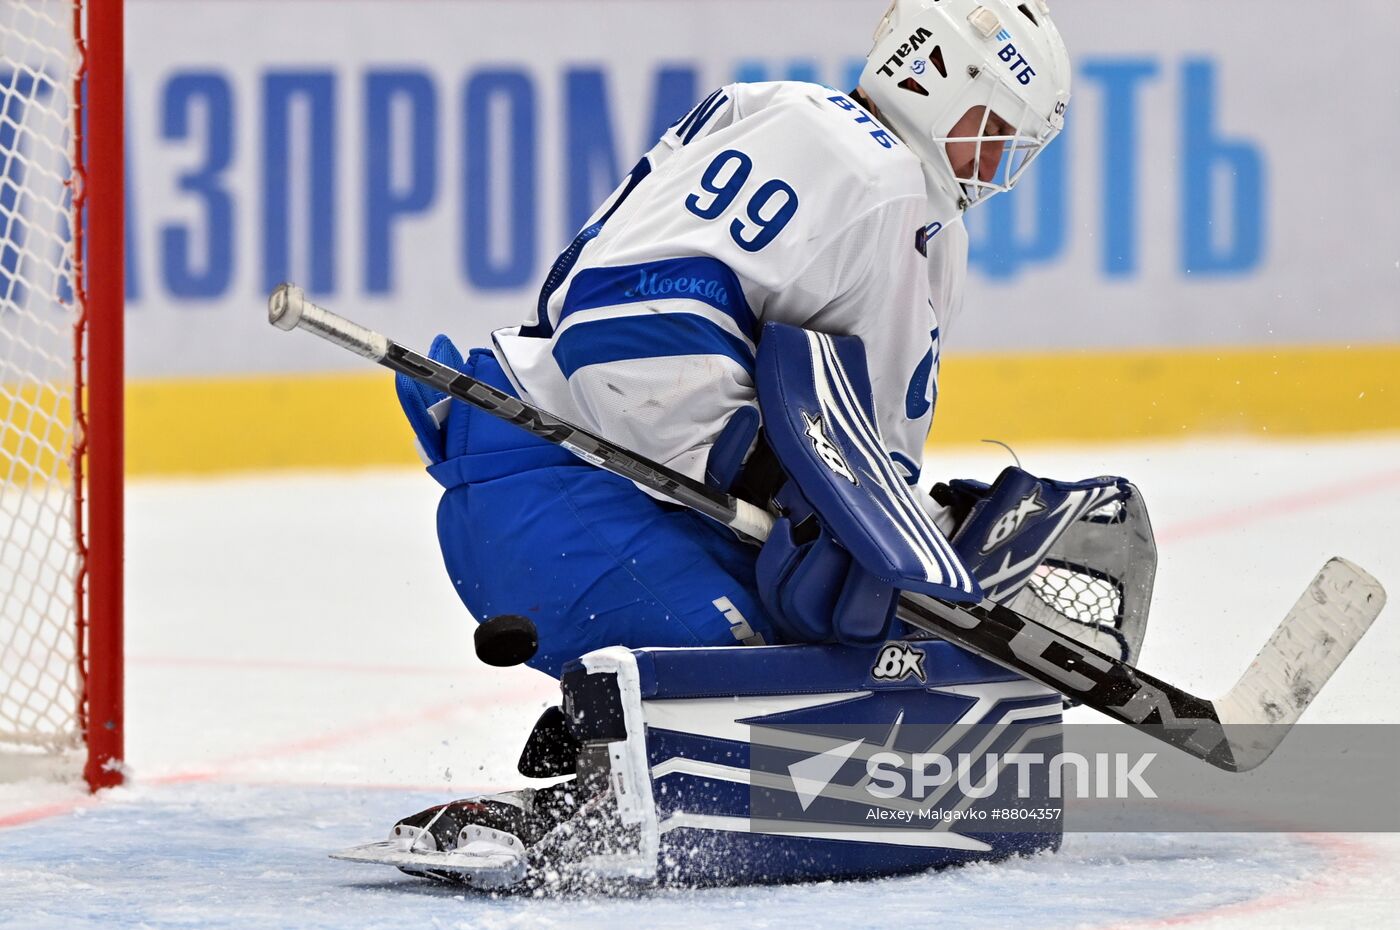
(1323, 627)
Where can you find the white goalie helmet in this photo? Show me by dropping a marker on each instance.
(947, 71)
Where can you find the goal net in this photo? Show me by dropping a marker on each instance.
(60, 349)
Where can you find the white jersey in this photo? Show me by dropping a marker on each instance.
(780, 201)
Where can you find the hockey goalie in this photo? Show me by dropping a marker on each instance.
(759, 305)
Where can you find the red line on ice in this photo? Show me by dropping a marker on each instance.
(48, 810)
(389, 724)
(1345, 858)
(219, 769)
(1297, 501)
(444, 788)
(300, 665)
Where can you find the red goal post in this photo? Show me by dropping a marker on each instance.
(61, 388)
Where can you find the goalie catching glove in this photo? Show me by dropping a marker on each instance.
(1011, 524)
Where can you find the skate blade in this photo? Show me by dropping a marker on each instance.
(478, 869)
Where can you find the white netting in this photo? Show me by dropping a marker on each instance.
(1075, 592)
(40, 683)
(1078, 591)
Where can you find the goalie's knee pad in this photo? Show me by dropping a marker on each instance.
(795, 763)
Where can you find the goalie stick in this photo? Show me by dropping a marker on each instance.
(1235, 732)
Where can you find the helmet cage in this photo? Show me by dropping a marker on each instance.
(1030, 137)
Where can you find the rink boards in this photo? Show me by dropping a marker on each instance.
(1179, 262)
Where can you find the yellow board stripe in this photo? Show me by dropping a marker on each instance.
(36, 442)
(259, 423)
(352, 420)
(1285, 391)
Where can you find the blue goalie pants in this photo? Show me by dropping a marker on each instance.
(528, 529)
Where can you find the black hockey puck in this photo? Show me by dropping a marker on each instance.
(506, 640)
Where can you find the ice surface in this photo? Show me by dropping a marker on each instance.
(301, 675)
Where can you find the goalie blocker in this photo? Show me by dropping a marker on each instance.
(763, 764)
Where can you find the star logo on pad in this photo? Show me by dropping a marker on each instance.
(826, 449)
(898, 661)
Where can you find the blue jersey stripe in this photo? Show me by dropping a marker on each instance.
(908, 465)
(682, 124)
(915, 402)
(664, 335)
(710, 111)
(706, 280)
(690, 118)
(542, 327)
